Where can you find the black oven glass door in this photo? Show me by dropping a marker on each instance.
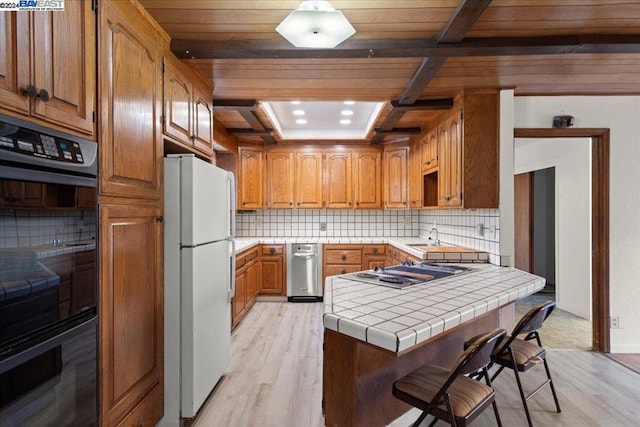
(47, 259)
(53, 383)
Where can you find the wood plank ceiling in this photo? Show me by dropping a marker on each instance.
(537, 47)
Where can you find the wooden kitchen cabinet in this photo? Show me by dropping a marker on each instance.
(467, 175)
(273, 270)
(374, 256)
(48, 76)
(415, 175)
(131, 307)
(280, 180)
(131, 301)
(188, 113)
(396, 178)
(429, 151)
(338, 189)
(250, 178)
(308, 184)
(130, 69)
(247, 283)
(450, 167)
(340, 259)
(367, 180)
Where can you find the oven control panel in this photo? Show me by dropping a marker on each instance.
(41, 145)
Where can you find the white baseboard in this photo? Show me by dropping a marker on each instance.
(621, 348)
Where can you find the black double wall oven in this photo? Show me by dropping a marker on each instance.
(48, 277)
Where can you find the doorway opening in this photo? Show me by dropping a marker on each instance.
(599, 217)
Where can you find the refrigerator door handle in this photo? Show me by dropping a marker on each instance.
(232, 285)
(232, 203)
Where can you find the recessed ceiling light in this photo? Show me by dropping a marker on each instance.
(349, 102)
(295, 102)
(298, 112)
(346, 112)
(345, 122)
(301, 121)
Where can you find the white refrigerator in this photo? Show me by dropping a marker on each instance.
(199, 282)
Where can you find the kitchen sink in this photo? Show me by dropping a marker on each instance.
(78, 243)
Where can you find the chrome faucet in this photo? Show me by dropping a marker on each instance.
(56, 240)
(437, 241)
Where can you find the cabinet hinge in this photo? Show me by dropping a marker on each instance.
(162, 67)
(460, 196)
(461, 114)
(162, 120)
(323, 346)
(94, 5)
(94, 117)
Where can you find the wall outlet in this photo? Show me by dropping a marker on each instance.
(323, 226)
(406, 220)
(615, 322)
(258, 222)
(480, 229)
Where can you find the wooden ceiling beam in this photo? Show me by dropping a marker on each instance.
(399, 131)
(235, 104)
(254, 121)
(461, 21)
(410, 48)
(424, 104)
(249, 132)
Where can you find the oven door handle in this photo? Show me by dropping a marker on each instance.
(38, 349)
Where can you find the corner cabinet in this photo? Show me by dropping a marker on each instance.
(396, 178)
(131, 303)
(188, 112)
(48, 76)
(250, 178)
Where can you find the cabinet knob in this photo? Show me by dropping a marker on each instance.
(343, 257)
(272, 250)
(298, 203)
(290, 203)
(375, 250)
(343, 272)
(349, 203)
(30, 91)
(43, 95)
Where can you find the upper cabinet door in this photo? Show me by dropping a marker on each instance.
(203, 120)
(47, 67)
(177, 102)
(131, 96)
(455, 161)
(395, 178)
(250, 180)
(338, 188)
(367, 168)
(64, 57)
(14, 61)
(309, 180)
(280, 180)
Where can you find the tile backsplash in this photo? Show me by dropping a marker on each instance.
(471, 228)
(24, 228)
(328, 223)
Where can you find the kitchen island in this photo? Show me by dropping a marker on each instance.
(374, 335)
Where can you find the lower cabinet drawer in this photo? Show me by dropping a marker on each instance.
(343, 256)
(333, 270)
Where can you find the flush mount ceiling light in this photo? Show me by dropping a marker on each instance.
(315, 24)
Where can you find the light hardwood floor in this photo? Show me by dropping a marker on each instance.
(276, 380)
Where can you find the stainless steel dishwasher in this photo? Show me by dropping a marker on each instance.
(303, 272)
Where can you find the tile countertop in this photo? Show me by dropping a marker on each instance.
(444, 253)
(46, 251)
(398, 319)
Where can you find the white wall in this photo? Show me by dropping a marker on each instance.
(621, 115)
(572, 161)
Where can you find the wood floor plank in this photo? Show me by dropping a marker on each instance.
(276, 380)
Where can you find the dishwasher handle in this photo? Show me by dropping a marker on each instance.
(305, 256)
